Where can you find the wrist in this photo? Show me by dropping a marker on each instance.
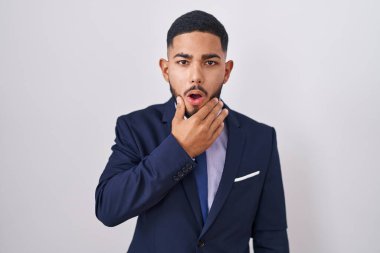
(192, 156)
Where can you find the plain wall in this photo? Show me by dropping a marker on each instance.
(69, 68)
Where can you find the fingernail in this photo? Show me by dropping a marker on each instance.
(178, 100)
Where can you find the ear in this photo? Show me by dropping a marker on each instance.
(164, 65)
(227, 71)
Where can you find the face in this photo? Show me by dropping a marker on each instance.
(196, 69)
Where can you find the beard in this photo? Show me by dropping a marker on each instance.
(188, 113)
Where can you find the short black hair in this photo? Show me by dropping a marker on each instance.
(197, 21)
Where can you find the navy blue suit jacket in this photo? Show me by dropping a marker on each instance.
(149, 175)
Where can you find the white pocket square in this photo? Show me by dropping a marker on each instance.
(247, 176)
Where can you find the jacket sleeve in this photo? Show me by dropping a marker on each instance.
(269, 231)
(130, 183)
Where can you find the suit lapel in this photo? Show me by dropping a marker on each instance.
(188, 183)
(235, 148)
(190, 188)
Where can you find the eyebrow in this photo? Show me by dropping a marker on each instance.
(204, 56)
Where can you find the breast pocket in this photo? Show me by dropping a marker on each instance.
(246, 189)
(247, 176)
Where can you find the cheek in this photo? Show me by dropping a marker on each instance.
(221, 75)
(216, 72)
(177, 74)
(215, 77)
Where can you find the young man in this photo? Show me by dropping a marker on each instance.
(200, 176)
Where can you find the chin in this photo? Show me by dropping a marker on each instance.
(190, 110)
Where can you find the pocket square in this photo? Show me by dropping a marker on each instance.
(247, 176)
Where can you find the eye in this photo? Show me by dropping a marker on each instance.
(210, 63)
(182, 62)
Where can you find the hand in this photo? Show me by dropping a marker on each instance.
(197, 133)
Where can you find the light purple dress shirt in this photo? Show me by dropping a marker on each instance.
(216, 155)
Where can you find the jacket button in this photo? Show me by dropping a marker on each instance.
(201, 243)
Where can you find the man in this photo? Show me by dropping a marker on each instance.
(200, 176)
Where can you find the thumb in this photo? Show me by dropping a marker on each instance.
(180, 111)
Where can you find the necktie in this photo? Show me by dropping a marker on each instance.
(200, 173)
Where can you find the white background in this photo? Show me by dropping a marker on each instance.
(69, 68)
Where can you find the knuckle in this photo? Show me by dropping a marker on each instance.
(195, 120)
(203, 128)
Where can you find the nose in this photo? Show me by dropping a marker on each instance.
(196, 75)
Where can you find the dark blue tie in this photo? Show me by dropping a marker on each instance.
(200, 173)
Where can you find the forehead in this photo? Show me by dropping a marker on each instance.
(196, 43)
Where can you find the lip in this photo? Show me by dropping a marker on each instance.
(195, 101)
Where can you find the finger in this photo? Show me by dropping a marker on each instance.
(214, 113)
(217, 132)
(219, 120)
(180, 110)
(205, 110)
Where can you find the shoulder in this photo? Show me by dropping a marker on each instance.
(254, 129)
(150, 112)
(247, 122)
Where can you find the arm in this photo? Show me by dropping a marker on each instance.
(131, 184)
(269, 231)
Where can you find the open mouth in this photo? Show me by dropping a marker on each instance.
(195, 98)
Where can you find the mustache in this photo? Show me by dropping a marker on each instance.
(196, 87)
